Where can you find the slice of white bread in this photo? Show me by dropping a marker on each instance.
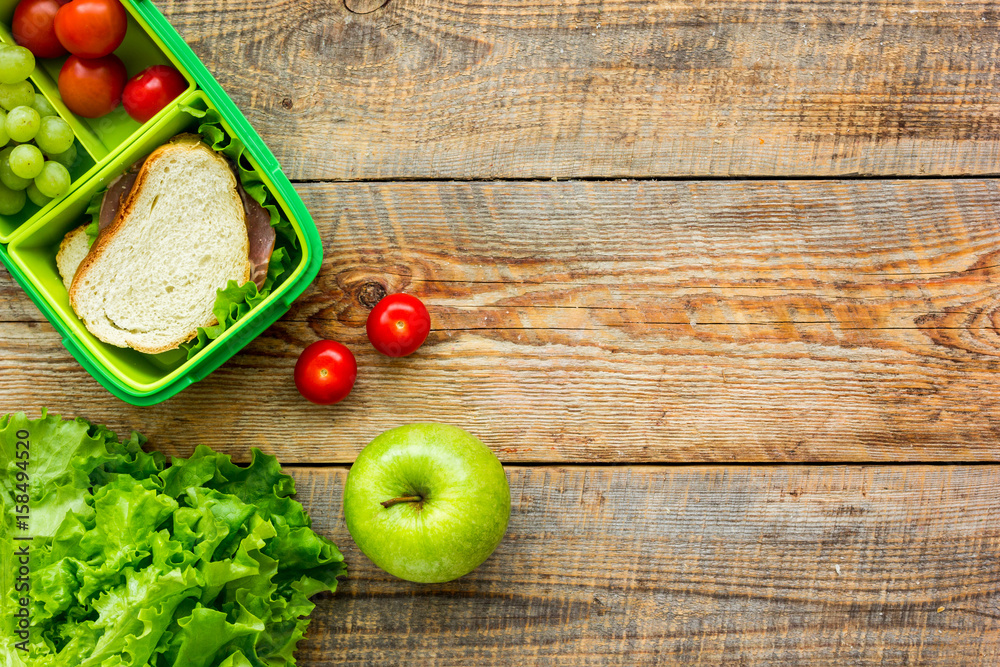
(150, 279)
(74, 247)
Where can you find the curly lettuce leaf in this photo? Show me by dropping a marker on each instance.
(132, 618)
(202, 563)
(127, 515)
(63, 454)
(203, 633)
(210, 522)
(94, 211)
(234, 301)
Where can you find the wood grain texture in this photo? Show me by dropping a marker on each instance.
(807, 566)
(609, 88)
(616, 322)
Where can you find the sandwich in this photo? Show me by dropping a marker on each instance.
(173, 231)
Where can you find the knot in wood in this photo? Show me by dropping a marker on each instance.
(371, 293)
(364, 6)
(287, 103)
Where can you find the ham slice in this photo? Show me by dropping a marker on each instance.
(261, 235)
(258, 221)
(117, 192)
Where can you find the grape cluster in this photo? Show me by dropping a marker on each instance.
(38, 146)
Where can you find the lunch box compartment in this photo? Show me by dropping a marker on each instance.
(139, 50)
(34, 253)
(97, 138)
(107, 147)
(9, 224)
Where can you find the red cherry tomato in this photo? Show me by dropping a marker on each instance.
(325, 372)
(91, 28)
(152, 89)
(92, 87)
(32, 28)
(398, 325)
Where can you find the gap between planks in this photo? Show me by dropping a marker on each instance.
(681, 465)
(760, 178)
(654, 465)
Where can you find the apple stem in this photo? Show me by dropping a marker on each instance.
(402, 499)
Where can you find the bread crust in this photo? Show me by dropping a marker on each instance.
(180, 142)
(65, 248)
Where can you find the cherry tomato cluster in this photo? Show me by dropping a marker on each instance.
(326, 370)
(93, 80)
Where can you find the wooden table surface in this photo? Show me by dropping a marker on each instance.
(718, 280)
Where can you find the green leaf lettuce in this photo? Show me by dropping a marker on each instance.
(202, 563)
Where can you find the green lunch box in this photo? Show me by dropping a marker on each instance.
(106, 147)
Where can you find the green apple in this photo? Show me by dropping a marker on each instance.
(427, 502)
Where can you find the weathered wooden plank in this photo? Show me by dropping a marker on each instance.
(639, 321)
(698, 566)
(608, 88)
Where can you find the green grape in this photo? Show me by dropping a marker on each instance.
(66, 158)
(16, 63)
(36, 196)
(22, 123)
(54, 180)
(26, 161)
(17, 95)
(11, 201)
(4, 137)
(8, 177)
(42, 106)
(54, 135)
